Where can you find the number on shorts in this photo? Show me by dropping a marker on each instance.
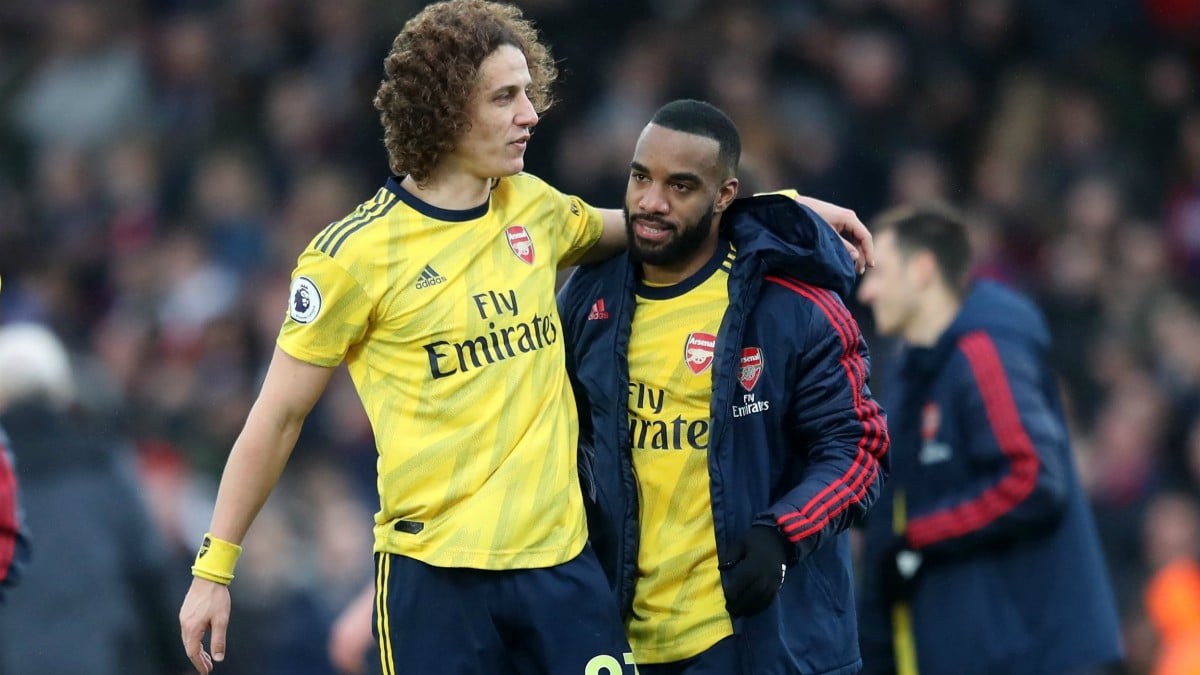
(608, 665)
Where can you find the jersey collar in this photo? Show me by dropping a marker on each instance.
(701, 275)
(435, 212)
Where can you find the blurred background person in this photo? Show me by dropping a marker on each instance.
(99, 596)
(982, 555)
(1172, 598)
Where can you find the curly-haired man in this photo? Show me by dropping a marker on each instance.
(438, 294)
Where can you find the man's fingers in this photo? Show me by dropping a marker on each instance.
(752, 599)
(867, 243)
(217, 643)
(736, 553)
(846, 223)
(195, 650)
(855, 231)
(739, 585)
(861, 243)
(860, 264)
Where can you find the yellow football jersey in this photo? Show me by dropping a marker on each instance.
(448, 325)
(678, 603)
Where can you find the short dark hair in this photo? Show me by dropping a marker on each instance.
(935, 227)
(704, 119)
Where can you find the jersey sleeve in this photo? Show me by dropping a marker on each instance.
(1016, 442)
(581, 229)
(572, 225)
(328, 311)
(835, 421)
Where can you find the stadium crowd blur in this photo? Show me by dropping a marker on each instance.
(163, 162)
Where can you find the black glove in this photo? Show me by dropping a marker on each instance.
(756, 564)
(901, 569)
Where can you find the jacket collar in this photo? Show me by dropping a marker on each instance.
(789, 238)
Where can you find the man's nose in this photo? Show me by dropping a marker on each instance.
(526, 114)
(866, 291)
(653, 200)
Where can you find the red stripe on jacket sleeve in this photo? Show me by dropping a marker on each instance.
(852, 486)
(8, 513)
(1014, 442)
(797, 526)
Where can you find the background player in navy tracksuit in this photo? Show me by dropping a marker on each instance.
(726, 407)
(982, 541)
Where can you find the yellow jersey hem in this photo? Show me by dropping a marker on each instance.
(488, 560)
(678, 650)
(308, 357)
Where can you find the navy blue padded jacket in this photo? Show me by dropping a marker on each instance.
(795, 439)
(1014, 581)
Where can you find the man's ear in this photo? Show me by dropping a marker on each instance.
(726, 194)
(925, 269)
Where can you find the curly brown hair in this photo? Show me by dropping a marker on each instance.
(431, 74)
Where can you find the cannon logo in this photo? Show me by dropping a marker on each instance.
(698, 351)
(520, 243)
(751, 367)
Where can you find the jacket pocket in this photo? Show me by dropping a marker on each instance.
(820, 586)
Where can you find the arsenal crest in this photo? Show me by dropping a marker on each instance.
(931, 419)
(751, 367)
(520, 243)
(698, 351)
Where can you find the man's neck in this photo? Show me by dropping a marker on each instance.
(454, 192)
(938, 310)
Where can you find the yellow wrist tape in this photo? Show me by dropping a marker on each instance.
(216, 559)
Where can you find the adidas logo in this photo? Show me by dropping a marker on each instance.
(598, 311)
(429, 277)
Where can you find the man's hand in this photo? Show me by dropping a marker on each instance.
(854, 233)
(901, 571)
(206, 608)
(756, 564)
(351, 637)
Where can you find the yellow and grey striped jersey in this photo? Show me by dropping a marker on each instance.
(448, 325)
(678, 603)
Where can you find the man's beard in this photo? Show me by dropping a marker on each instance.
(682, 246)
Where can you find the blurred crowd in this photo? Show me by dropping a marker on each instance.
(163, 162)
